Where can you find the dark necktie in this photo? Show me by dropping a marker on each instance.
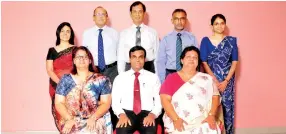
(178, 51)
(101, 61)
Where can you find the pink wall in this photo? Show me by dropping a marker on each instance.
(28, 30)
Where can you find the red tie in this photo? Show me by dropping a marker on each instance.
(137, 99)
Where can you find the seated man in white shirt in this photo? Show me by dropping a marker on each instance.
(135, 96)
(138, 35)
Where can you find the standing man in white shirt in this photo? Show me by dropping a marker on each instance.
(138, 35)
(135, 96)
(102, 42)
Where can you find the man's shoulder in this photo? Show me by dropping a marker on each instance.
(150, 74)
(189, 33)
(168, 35)
(125, 31)
(151, 29)
(88, 30)
(111, 29)
(122, 75)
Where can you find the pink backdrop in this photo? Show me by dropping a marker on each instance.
(28, 30)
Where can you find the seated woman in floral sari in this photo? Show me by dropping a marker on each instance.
(190, 98)
(77, 97)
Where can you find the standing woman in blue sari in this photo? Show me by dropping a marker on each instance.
(219, 54)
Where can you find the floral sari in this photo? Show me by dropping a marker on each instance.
(192, 102)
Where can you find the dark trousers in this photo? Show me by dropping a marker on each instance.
(137, 124)
(148, 65)
(111, 73)
(169, 71)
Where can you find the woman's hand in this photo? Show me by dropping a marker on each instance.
(178, 124)
(91, 124)
(215, 81)
(222, 86)
(68, 126)
(211, 121)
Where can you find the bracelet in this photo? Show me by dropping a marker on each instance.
(176, 119)
(210, 114)
(226, 80)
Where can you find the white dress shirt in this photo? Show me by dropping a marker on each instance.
(110, 40)
(149, 41)
(123, 92)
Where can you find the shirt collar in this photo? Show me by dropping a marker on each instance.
(182, 32)
(97, 28)
(140, 71)
(141, 25)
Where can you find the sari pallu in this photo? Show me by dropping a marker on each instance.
(62, 64)
(219, 61)
(192, 103)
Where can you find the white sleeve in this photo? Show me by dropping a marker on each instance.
(120, 54)
(116, 97)
(157, 101)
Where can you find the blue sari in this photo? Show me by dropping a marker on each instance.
(219, 60)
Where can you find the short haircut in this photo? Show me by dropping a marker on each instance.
(136, 3)
(137, 48)
(179, 10)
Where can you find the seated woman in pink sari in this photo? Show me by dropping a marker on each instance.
(77, 97)
(190, 98)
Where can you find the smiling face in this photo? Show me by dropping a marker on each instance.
(65, 34)
(218, 26)
(81, 59)
(137, 14)
(100, 17)
(190, 60)
(137, 60)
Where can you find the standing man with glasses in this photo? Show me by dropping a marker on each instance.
(138, 35)
(102, 42)
(171, 46)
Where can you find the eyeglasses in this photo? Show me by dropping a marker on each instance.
(100, 14)
(81, 58)
(181, 19)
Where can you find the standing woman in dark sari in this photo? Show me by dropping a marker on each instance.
(219, 54)
(59, 60)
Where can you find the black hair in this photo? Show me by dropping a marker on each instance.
(58, 32)
(179, 10)
(137, 48)
(217, 16)
(191, 48)
(136, 3)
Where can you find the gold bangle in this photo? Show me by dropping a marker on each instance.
(176, 119)
(226, 80)
(210, 114)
